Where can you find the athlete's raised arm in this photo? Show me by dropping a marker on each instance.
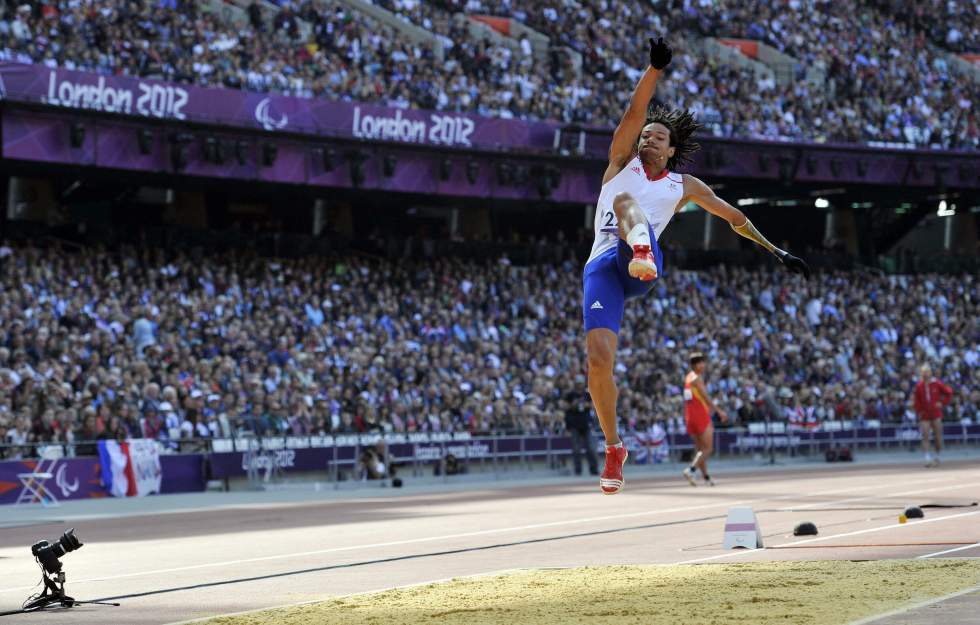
(702, 195)
(628, 131)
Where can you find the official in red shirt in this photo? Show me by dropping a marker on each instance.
(928, 399)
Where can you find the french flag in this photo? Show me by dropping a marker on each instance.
(130, 468)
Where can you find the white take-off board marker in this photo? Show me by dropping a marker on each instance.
(742, 529)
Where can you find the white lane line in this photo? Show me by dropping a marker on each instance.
(397, 543)
(500, 530)
(816, 506)
(870, 530)
(915, 606)
(489, 532)
(944, 552)
(836, 491)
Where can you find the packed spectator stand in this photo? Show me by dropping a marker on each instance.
(950, 24)
(98, 343)
(193, 345)
(887, 79)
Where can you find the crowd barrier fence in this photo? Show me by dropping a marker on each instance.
(188, 466)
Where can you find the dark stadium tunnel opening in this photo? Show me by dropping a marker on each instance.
(107, 207)
(99, 199)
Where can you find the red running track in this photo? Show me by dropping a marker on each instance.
(190, 564)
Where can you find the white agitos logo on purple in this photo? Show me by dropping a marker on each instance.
(61, 479)
(265, 117)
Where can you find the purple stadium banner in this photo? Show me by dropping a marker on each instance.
(798, 440)
(182, 473)
(299, 127)
(230, 464)
(43, 137)
(80, 478)
(73, 478)
(162, 100)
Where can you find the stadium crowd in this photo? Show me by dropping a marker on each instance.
(174, 345)
(952, 24)
(884, 81)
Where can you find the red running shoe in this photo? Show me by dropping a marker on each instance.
(611, 481)
(643, 265)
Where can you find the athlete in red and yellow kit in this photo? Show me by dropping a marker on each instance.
(698, 408)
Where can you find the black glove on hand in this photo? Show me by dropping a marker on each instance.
(660, 53)
(794, 264)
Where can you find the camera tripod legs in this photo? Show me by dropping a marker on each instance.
(54, 596)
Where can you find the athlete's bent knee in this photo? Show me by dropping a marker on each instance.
(600, 360)
(622, 202)
(600, 356)
(707, 442)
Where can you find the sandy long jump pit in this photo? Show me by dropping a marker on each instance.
(760, 593)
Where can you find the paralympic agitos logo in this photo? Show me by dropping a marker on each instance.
(265, 117)
(61, 479)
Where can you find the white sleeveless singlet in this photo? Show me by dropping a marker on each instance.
(657, 199)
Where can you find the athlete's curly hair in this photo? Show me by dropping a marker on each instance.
(681, 125)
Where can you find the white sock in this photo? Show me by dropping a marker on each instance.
(694, 463)
(617, 445)
(639, 235)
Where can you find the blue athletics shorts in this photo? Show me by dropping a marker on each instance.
(607, 285)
